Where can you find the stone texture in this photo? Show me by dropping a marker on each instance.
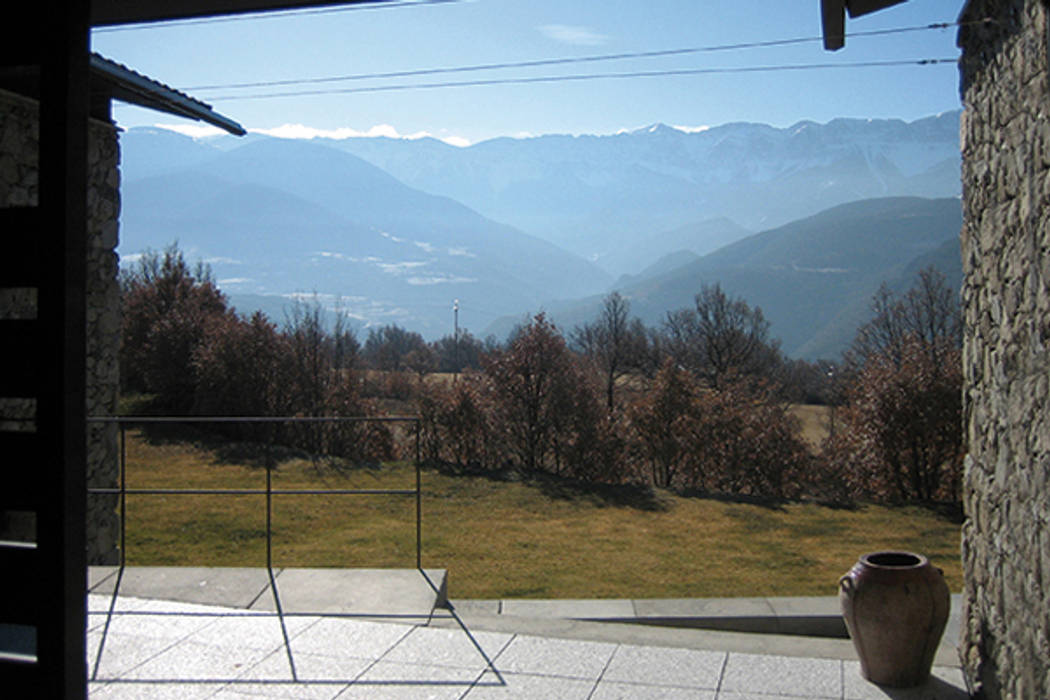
(19, 136)
(1005, 136)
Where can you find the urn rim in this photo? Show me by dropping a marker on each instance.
(894, 560)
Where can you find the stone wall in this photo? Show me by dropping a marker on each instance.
(1006, 299)
(18, 187)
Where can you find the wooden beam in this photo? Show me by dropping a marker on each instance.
(859, 8)
(113, 12)
(61, 316)
(833, 19)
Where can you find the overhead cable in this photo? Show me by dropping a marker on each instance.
(563, 61)
(588, 76)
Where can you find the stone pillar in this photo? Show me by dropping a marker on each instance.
(1005, 136)
(103, 339)
(19, 134)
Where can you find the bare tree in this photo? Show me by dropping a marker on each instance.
(901, 435)
(345, 346)
(615, 344)
(387, 347)
(928, 314)
(720, 336)
(455, 354)
(534, 387)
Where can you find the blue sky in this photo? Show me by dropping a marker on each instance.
(192, 56)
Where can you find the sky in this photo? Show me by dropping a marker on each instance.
(413, 36)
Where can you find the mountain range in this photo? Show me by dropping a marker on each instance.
(276, 217)
(813, 278)
(598, 196)
(396, 229)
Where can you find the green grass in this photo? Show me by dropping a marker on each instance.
(542, 539)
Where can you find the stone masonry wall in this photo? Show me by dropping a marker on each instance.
(18, 187)
(1006, 300)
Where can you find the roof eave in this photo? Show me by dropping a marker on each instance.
(128, 86)
(115, 12)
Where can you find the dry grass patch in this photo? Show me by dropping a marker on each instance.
(541, 539)
(815, 424)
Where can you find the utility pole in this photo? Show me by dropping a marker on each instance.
(455, 337)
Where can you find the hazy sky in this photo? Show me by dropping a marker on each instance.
(191, 56)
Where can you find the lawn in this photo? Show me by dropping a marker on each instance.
(498, 538)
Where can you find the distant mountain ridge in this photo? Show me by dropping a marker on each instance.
(277, 217)
(812, 278)
(596, 195)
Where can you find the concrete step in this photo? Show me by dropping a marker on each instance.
(804, 627)
(402, 594)
(814, 616)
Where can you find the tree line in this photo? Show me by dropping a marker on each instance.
(699, 404)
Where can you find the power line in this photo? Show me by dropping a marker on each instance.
(589, 76)
(566, 60)
(278, 14)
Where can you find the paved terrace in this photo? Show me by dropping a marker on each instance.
(216, 633)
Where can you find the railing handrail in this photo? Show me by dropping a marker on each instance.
(132, 420)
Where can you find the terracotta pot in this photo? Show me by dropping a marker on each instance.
(895, 605)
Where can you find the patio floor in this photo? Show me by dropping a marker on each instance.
(165, 646)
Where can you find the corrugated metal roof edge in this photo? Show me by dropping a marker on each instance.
(156, 95)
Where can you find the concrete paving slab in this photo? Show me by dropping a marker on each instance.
(320, 677)
(190, 660)
(575, 609)
(98, 604)
(263, 633)
(555, 657)
(273, 669)
(156, 690)
(944, 684)
(388, 679)
(315, 670)
(268, 691)
(381, 592)
(665, 667)
(348, 637)
(632, 691)
(229, 587)
(525, 686)
(778, 675)
(165, 626)
(448, 647)
(123, 653)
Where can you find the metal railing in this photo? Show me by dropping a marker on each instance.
(269, 492)
(122, 491)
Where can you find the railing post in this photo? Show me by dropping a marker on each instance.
(419, 502)
(123, 495)
(269, 511)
